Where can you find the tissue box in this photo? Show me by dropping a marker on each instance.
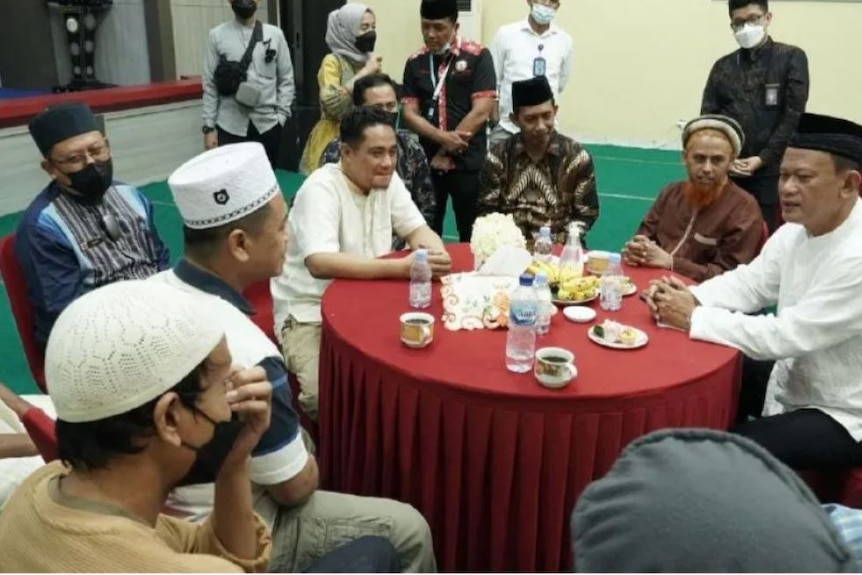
(472, 301)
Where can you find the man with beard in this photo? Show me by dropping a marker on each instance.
(256, 109)
(539, 176)
(705, 225)
(84, 230)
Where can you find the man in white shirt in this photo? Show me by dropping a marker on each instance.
(234, 219)
(342, 221)
(811, 398)
(526, 49)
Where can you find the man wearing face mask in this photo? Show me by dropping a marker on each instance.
(539, 176)
(148, 399)
(526, 49)
(234, 218)
(449, 91)
(261, 104)
(380, 91)
(84, 230)
(764, 87)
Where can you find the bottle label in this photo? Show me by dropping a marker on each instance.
(523, 314)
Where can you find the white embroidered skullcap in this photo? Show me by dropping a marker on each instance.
(223, 185)
(727, 126)
(120, 346)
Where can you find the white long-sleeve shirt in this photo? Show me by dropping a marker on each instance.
(816, 336)
(274, 79)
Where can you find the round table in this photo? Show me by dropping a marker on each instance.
(494, 461)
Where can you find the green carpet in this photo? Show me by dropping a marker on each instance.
(628, 180)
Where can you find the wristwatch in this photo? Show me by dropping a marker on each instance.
(208, 129)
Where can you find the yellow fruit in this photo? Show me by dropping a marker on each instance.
(564, 295)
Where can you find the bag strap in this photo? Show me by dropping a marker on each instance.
(256, 36)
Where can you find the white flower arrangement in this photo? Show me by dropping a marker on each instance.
(492, 232)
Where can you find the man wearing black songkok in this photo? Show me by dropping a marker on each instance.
(84, 230)
(806, 381)
(449, 93)
(538, 175)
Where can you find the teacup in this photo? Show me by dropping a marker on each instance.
(417, 329)
(555, 367)
(598, 262)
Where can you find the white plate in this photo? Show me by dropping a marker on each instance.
(579, 314)
(642, 340)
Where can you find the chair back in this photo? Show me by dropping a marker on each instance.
(16, 291)
(40, 428)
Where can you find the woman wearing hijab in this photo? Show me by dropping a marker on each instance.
(350, 35)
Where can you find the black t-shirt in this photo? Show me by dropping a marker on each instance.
(470, 75)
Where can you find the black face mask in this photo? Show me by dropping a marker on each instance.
(366, 42)
(211, 455)
(94, 180)
(244, 9)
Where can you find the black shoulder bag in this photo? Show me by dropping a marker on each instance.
(228, 74)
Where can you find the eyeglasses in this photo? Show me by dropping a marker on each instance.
(738, 25)
(98, 152)
(111, 227)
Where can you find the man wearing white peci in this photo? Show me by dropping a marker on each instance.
(811, 398)
(341, 223)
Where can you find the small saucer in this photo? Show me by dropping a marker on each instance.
(579, 314)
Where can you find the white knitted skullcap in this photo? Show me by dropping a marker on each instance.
(223, 185)
(724, 124)
(123, 345)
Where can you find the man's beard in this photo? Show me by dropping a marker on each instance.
(701, 195)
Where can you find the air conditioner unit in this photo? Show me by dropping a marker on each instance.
(470, 18)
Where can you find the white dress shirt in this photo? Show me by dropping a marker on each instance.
(515, 48)
(329, 218)
(816, 336)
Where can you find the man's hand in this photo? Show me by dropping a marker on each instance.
(439, 260)
(455, 142)
(747, 166)
(674, 303)
(250, 396)
(210, 140)
(442, 163)
(642, 251)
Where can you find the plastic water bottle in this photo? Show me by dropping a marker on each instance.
(611, 285)
(521, 339)
(546, 306)
(544, 246)
(420, 280)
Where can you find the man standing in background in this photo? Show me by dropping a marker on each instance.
(524, 50)
(764, 87)
(449, 91)
(248, 87)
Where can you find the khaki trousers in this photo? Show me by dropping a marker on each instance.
(301, 349)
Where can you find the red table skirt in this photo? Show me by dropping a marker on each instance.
(496, 480)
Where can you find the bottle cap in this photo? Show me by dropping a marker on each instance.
(614, 258)
(421, 255)
(526, 280)
(541, 279)
(545, 231)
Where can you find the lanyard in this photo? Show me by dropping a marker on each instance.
(436, 83)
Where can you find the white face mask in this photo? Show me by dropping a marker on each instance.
(543, 15)
(750, 36)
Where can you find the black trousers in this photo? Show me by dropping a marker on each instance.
(765, 191)
(802, 439)
(463, 187)
(364, 555)
(271, 140)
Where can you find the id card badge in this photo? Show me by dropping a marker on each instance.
(431, 114)
(771, 95)
(539, 66)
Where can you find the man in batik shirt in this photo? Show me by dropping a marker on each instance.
(538, 175)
